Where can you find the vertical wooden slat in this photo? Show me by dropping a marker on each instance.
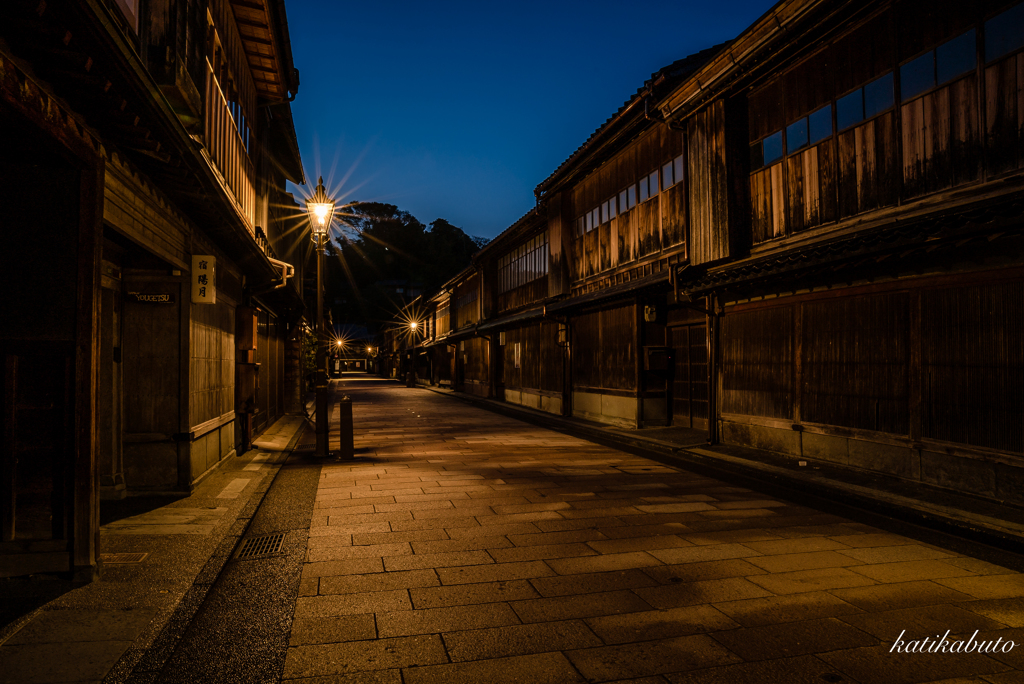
(778, 202)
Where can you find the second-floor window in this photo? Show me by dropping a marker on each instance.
(526, 263)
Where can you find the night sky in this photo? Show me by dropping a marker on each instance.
(457, 110)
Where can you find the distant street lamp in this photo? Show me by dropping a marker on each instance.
(320, 208)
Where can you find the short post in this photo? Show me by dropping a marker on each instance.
(410, 379)
(346, 446)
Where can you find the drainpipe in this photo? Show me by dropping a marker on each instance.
(713, 322)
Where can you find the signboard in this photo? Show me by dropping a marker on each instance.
(152, 297)
(204, 289)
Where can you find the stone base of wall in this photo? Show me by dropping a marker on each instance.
(604, 408)
(534, 400)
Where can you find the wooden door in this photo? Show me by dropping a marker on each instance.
(690, 379)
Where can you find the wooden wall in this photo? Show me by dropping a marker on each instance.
(962, 131)
(604, 350)
(212, 363)
(540, 358)
(935, 360)
(653, 227)
(708, 184)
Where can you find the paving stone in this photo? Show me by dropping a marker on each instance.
(908, 571)
(790, 562)
(382, 581)
(988, 587)
(325, 552)
(32, 663)
(329, 630)
(799, 670)
(513, 640)
(878, 664)
(696, 572)
(603, 563)
(872, 539)
(526, 529)
(696, 554)
(421, 561)
(464, 544)
(796, 638)
(1007, 611)
(465, 594)
(659, 624)
(354, 566)
(370, 677)
(661, 541)
(627, 531)
(588, 583)
(900, 595)
(774, 547)
(496, 572)
(544, 668)
(541, 552)
(892, 554)
(650, 658)
(579, 606)
(388, 537)
(447, 619)
(580, 524)
(708, 591)
(352, 604)
(775, 610)
(811, 580)
(924, 621)
(545, 538)
(380, 654)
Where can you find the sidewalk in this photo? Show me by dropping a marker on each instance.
(974, 518)
(464, 546)
(157, 566)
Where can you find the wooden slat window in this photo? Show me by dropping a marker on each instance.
(757, 363)
(1004, 91)
(973, 365)
(939, 112)
(855, 365)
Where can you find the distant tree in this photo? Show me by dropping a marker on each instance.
(385, 249)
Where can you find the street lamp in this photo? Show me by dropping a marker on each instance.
(320, 208)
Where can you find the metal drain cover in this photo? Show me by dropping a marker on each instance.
(122, 557)
(261, 546)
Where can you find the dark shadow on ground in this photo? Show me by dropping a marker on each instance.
(113, 510)
(19, 596)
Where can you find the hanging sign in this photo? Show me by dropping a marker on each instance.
(204, 289)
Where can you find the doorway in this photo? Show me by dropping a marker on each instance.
(690, 376)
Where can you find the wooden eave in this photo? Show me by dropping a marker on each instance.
(84, 59)
(262, 48)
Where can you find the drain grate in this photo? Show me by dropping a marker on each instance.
(261, 546)
(122, 557)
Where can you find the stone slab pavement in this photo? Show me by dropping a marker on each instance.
(158, 566)
(464, 546)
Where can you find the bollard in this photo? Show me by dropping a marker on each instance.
(346, 448)
(410, 379)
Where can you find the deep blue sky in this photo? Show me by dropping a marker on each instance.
(459, 109)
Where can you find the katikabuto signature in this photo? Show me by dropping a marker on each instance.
(943, 645)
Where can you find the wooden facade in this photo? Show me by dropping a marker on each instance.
(827, 265)
(157, 148)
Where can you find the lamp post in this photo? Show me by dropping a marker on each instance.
(321, 212)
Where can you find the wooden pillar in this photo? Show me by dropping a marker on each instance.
(85, 519)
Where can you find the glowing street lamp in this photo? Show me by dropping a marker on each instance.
(320, 208)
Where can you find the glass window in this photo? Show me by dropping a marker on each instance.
(772, 148)
(917, 76)
(654, 183)
(820, 124)
(677, 169)
(956, 57)
(878, 95)
(850, 109)
(590, 221)
(631, 196)
(667, 180)
(1004, 33)
(622, 201)
(796, 135)
(644, 191)
(604, 213)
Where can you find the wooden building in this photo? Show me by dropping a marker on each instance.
(807, 240)
(152, 286)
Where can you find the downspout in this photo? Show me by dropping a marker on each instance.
(713, 321)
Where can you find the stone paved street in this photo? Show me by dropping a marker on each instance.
(463, 546)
